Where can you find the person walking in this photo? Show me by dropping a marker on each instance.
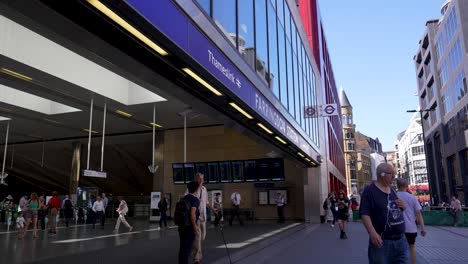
(333, 208)
(54, 209)
(189, 230)
(235, 205)
(67, 206)
(98, 209)
(343, 213)
(20, 224)
(41, 214)
(22, 202)
(412, 215)
(217, 208)
(280, 202)
(31, 213)
(122, 210)
(163, 206)
(382, 215)
(455, 209)
(105, 202)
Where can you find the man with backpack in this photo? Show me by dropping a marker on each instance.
(68, 211)
(185, 217)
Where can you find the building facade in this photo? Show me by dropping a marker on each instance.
(349, 131)
(412, 159)
(441, 63)
(225, 88)
(369, 155)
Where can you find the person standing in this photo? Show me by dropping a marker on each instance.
(280, 202)
(235, 201)
(202, 195)
(105, 202)
(343, 213)
(67, 206)
(98, 209)
(20, 224)
(122, 210)
(217, 208)
(412, 215)
(189, 230)
(455, 209)
(163, 206)
(382, 215)
(54, 209)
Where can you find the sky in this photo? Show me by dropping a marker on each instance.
(371, 45)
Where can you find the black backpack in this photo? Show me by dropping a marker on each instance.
(68, 204)
(182, 213)
(325, 205)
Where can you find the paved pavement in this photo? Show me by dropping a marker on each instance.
(322, 244)
(260, 242)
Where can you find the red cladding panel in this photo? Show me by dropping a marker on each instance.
(309, 14)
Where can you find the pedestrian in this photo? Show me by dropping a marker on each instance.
(163, 206)
(90, 213)
(122, 210)
(236, 199)
(217, 208)
(53, 207)
(280, 202)
(20, 224)
(343, 213)
(189, 230)
(382, 215)
(412, 215)
(202, 195)
(7, 207)
(41, 214)
(32, 208)
(22, 202)
(105, 202)
(67, 206)
(333, 208)
(455, 209)
(98, 209)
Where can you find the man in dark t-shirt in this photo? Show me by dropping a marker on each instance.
(382, 214)
(187, 233)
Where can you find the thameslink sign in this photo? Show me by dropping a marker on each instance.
(166, 16)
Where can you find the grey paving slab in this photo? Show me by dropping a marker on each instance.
(145, 244)
(320, 244)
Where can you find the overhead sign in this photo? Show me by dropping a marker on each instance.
(329, 110)
(97, 174)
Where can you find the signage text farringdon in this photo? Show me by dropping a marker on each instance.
(225, 71)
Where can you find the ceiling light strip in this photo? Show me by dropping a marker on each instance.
(242, 111)
(155, 125)
(16, 75)
(122, 113)
(124, 24)
(281, 140)
(92, 131)
(265, 128)
(202, 82)
(300, 154)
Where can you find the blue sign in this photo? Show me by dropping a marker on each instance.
(172, 22)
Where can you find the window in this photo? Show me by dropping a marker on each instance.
(282, 66)
(459, 88)
(349, 135)
(224, 15)
(350, 146)
(455, 56)
(443, 74)
(246, 38)
(261, 46)
(440, 46)
(273, 50)
(290, 67)
(206, 5)
(418, 150)
(447, 99)
(451, 25)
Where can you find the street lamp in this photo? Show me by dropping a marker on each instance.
(421, 111)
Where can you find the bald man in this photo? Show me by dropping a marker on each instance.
(382, 214)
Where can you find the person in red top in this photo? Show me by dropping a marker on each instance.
(54, 207)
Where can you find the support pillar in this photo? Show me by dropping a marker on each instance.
(75, 168)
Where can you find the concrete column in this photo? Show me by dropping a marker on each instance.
(313, 194)
(75, 168)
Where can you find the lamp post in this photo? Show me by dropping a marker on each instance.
(421, 111)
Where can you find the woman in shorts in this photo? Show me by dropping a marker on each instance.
(343, 213)
(31, 214)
